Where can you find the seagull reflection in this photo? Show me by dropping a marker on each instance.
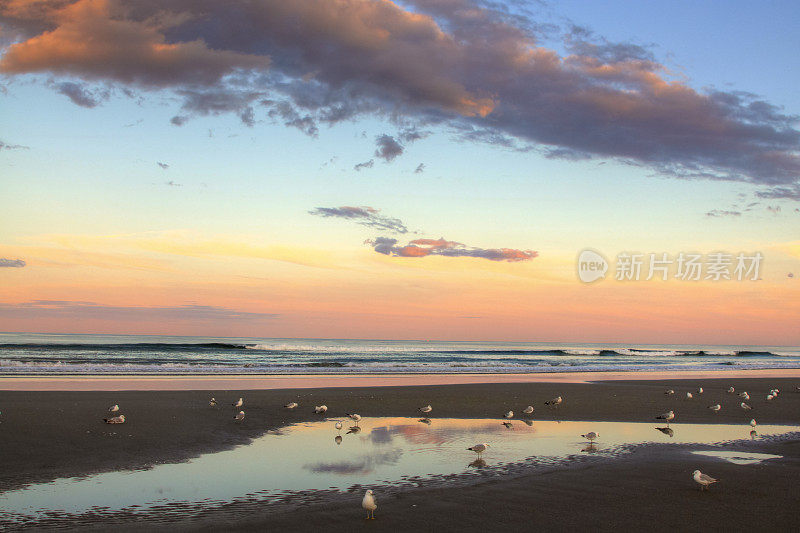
(508, 425)
(354, 429)
(753, 434)
(589, 448)
(425, 421)
(528, 422)
(337, 439)
(477, 463)
(666, 431)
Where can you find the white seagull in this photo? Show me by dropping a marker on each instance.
(479, 448)
(528, 410)
(731, 390)
(320, 409)
(700, 390)
(369, 504)
(745, 406)
(689, 396)
(113, 409)
(669, 391)
(354, 417)
(426, 409)
(115, 420)
(338, 425)
(715, 408)
(591, 436)
(291, 405)
(770, 397)
(744, 395)
(702, 479)
(239, 403)
(753, 423)
(669, 415)
(239, 416)
(509, 414)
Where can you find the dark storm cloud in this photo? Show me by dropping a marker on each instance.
(475, 68)
(365, 216)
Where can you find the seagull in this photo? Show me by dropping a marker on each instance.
(715, 408)
(355, 418)
(479, 448)
(731, 390)
(744, 395)
(369, 504)
(509, 414)
(669, 415)
(528, 410)
(338, 425)
(427, 409)
(212, 402)
(113, 409)
(115, 420)
(770, 397)
(554, 401)
(700, 390)
(666, 431)
(320, 409)
(591, 436)
(702, 479)
(239, 403)
(745, 406)
(753, 423)
(337, 439)
(689, 396)
(291, 405)
(669, 391)
(508, 425)
(239, 416)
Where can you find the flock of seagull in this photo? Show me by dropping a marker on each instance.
(369, 502)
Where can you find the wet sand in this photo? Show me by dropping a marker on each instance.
(48, 434)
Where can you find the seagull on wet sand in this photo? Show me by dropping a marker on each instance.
(239, 416)
(745, 406)
(239, 403)
(770, 397)
(115, 420)
(528, 410)
(669, 391)
(509, 414)
(716, 408)
(427, 409)
(479, 448)
(744, 395)
(113, 409)
(731, 390)
(320, 409)
(369, 504)
(669, 415)
(212, 402)
(555, 401)
(291, 405)
(689, 396)
(753, 423)
(700, 390)
(702, 479)
(591, 436)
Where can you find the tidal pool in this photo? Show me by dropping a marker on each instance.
(314, 456)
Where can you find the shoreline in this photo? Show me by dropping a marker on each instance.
(326, 381)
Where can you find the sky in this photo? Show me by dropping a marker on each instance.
(429, 169)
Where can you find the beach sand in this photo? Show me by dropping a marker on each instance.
(51, 434)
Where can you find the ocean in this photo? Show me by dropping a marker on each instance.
(50, 354)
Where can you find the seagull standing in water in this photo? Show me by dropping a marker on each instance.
(239, 403)
(669, 415)
(239, 416)
(113, 409)
(591, 436)
(338, 425)
(355, 417)
(427, 409)
(478, 448)
(703, 480)
(369, 504)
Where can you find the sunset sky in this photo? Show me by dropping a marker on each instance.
(427, 169)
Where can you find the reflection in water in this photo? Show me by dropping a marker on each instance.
(740, 458)
(667, 431)
(425, 421)
(382, 450)
(477, 463)
(508, 425)
(528, 423)
(590, 448)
